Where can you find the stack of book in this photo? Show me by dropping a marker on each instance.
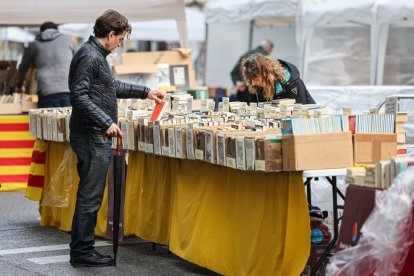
(50, 124)
(381, 175)
(400, 120)
(356, 176)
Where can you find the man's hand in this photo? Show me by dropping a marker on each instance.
(113, 131)
(240, 85)
(157, 96)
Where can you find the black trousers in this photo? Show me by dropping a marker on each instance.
(54, 100)
(93, 154)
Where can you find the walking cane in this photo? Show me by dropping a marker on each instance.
(117, 196)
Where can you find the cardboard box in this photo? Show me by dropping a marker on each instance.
(172, 58)
(317, 151)
(10, 108)
(26, 106)
(371, 148)
(135, 69)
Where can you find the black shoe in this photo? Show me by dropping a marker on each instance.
(93, 259)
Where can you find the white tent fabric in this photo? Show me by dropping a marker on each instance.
(334, 40)
(15, 34)
(232, 11)
(151, 30)
(395, 28)
(356, 42)
(28, 12)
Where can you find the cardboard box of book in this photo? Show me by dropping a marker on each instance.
(10, 108)
(317, 151)
(370, 148)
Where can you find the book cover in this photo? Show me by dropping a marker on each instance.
(159, 110)
(249, 145)
(230, 147)
(156, 139)
(209, 147)
(221, 157)
(240, 154)
(352, 123)
(179, 76)
(200, 144)
(171, 141)
(190, 143)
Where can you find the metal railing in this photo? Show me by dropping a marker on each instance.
(399, 97)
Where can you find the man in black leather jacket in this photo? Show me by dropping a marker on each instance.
(93, 94)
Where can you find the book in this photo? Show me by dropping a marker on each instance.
(230, 147)
(250, 150)
(179, 76)
(189, 137)
(240, 153)
(209, 147)
(159, 110)
(221, 156)
(156, 139)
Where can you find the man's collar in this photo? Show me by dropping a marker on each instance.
(99, 46)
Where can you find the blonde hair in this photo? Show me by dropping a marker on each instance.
(269, 70)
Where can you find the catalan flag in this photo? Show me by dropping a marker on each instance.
(37, 171)
(16, 146)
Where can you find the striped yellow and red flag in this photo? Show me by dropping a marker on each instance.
(37, 171)
(16, 145)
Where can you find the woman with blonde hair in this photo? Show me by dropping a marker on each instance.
(270, 79)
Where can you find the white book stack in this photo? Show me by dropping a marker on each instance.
(375, 123)
(401, 118)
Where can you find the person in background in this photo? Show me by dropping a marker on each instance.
(93, 94)
(243, 95)
(270, 79)
(50, 53)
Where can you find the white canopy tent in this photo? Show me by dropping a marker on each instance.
(152, 30)
(15, 34)
(28, 12)
(335, 39)
(233, 11)
(235, 26)
(395, 31)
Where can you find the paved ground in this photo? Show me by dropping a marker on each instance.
(26, 248)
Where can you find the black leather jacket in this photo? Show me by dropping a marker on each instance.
(93, 90)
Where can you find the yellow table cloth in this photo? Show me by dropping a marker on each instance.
(62, 217)
(230, 221)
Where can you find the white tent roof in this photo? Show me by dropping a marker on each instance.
(388, 11)
(29, 12)
(232, 11)
(15, 34)
(151, 30)
(318, 12)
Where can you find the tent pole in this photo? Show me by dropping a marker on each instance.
(383, 31)
(251, 34)
(205, 55)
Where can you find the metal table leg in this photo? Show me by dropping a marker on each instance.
(336, 225)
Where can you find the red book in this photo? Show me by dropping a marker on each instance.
(158, 111)
(352, 123)
(401, 151)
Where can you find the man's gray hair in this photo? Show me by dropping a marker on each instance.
(266, 44)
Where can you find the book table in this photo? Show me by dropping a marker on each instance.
(230, 221)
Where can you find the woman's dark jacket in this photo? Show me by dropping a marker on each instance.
(294, 88)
